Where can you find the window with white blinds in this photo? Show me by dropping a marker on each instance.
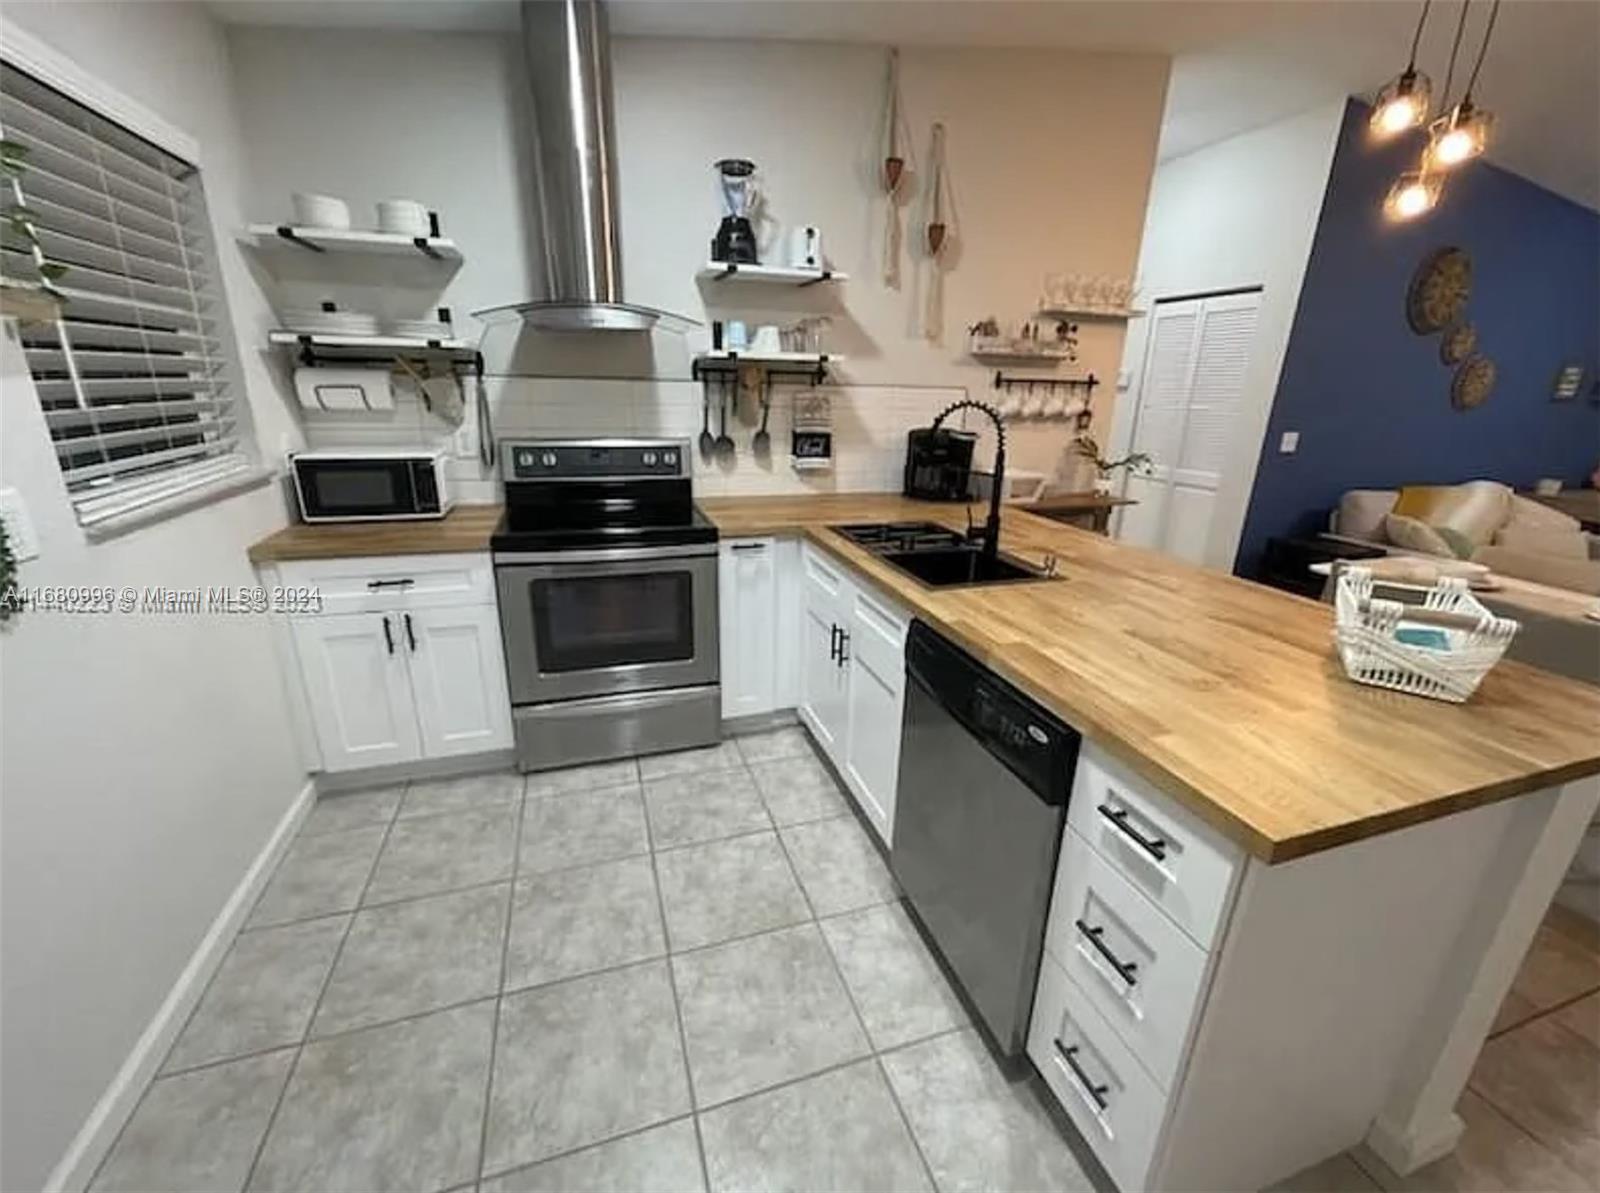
(132, 376)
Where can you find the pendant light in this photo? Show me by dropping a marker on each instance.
(1404, 101)
(1414, 193)
(1462, 133)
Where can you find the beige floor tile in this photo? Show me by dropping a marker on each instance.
(1494, 1156)
(1582, 1017)
(1546, 1080)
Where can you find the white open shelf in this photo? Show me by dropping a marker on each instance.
(771, 358)
(999, 348)
(1090, 312)
(322, 339)
(781, 275)
(333, 240)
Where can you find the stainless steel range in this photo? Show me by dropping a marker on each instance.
(607, 577)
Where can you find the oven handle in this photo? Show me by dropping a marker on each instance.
(607, 554)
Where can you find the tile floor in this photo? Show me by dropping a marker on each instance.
(681, 972)
(684, 972)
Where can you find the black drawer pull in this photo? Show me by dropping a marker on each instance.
(749, 546)
(1154, 846)
(1096, 937)
(1096, 1092)
(388, 634)
(411, 638)
(404, 582)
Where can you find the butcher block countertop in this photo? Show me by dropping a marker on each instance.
(465, 528)
(1224, 694)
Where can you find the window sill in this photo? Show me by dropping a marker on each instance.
(183, 503)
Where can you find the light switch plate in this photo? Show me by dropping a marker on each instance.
(1289, 443)
(19, 526)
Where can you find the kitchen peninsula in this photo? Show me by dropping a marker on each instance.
(1346, 881)
(1347, 877)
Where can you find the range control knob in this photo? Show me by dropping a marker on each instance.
(649, 459)
(670, 459)
(548, 459)
(524, 459)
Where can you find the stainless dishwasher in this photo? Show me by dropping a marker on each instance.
(984, 778)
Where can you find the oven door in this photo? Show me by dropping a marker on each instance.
(594, 623)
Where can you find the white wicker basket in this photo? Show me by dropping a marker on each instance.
(1364, 631)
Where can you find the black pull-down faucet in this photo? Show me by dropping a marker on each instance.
(991, 528)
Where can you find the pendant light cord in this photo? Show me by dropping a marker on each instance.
(1488, 31)
(1455, 46)
(1416, 38)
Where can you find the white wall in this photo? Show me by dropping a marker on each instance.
(1242, 212)
(144, 761)
(1050, 157)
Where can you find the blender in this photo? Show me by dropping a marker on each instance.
(735, 240)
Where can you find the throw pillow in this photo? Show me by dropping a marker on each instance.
(1466, 515)
(1537, 540)
(1524, 511)
(1416, 535)
(1361, 513)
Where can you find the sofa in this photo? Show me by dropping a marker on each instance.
(1482, 522)
(1546, 569)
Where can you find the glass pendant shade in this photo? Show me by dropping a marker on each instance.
(1413, 193)
(1403, 103)
(1458, 136)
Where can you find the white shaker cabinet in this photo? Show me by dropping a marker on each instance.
(748, 609)
(358, 690)
(458, 678)
(824, 678)
(875, 647)
(405, 660)
(852, 646)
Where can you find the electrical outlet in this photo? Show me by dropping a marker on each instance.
(1289, 443)
(19, 526)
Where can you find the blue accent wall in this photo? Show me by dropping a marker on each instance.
(1371, 398)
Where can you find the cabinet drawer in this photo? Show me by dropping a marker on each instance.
(820, 572)
(1109, 1098)
(1185, 867)
(1140, 972)
(362, 585)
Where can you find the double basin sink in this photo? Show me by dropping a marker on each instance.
(938, 557)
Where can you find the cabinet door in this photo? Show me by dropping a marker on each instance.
(458, 677)
(354, 666)
(876, 651)
(825, 681)
(747, 598)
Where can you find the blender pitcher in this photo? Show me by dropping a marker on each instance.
(735, 240)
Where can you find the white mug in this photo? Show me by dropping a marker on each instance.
(805, 247)
(767, 339)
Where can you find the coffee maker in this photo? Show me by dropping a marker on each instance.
(735, 240)
(939, 464)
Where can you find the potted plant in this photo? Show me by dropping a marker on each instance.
(1086, 448)
(31, 302)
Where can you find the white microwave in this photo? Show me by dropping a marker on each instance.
(370, 486)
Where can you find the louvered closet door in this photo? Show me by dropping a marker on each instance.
(1158, 425)
(1190, 431)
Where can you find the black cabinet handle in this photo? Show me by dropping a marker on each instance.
(1154, 846)
(844, 647)
(403, 582)
(388, 634)
(749, 546)
(833, 643)
(411, 639)
(1096, 937)
(1096, 1092)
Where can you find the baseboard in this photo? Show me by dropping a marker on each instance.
(99, 1131)
(455, 766)
(1405, 1152)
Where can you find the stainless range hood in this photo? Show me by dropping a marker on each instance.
(568, 48)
